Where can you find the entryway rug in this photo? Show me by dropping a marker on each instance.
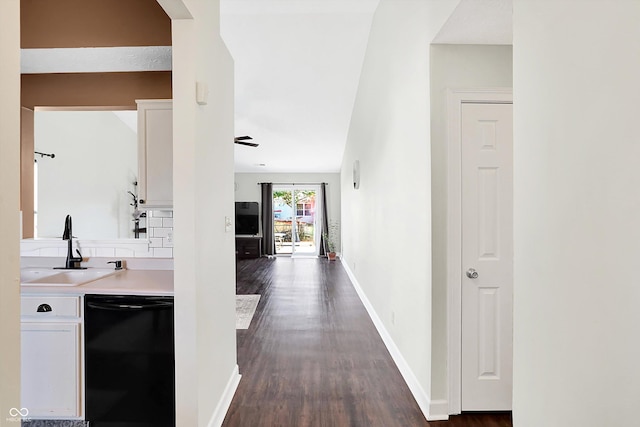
(54, 423)
(245, 309)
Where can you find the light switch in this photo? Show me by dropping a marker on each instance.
(202, 93)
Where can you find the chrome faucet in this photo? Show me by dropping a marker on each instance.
(71, 262)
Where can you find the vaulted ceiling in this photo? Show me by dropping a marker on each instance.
(297, 64)
(297, 67)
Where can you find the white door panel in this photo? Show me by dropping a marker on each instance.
(487, 247)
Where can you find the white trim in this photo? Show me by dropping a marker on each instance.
(225, 401)
(439, 410)
(455, 99)
(421, 396)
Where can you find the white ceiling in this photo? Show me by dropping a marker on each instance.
(297, 68)
(479, 22)
(298, 64)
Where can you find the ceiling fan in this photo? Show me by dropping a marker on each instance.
(244, 140)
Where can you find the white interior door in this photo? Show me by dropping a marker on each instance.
(487, 256)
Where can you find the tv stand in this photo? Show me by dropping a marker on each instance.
(248, 247)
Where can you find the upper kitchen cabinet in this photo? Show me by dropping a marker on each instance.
(155, 154)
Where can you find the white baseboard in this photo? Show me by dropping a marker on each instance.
(438, 410)
(421, 396)
(225, 401)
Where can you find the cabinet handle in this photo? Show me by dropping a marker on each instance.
(142, 202)
(44, 308)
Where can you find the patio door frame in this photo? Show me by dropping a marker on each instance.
(316, 218)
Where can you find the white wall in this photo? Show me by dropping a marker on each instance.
(387, 223)
(95, 164)
(204, 263)
(452, 67)
(248, 190)
(9, 208)
(577, 205)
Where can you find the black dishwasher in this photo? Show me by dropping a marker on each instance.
(129, 361)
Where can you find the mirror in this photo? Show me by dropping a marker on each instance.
(93, 169)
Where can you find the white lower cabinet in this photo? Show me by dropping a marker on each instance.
(51, 368)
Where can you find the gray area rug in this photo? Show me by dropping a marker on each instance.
(55, 423)
(245, 309)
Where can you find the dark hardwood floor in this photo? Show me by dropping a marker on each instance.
(312, 356)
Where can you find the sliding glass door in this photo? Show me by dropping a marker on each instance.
(295, 219)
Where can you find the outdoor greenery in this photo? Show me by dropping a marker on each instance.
(301, 195)
(305, 231)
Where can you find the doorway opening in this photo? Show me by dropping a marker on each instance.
(295, 221)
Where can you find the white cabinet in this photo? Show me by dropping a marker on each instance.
(51, 364)
(155, 154)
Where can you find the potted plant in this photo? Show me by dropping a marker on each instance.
(331, 239)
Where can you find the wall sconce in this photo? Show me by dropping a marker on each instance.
(356, 174)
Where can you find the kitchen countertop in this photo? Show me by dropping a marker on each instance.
(124, 282)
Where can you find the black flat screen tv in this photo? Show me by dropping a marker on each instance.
(247, 218)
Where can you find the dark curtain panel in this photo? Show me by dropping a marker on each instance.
(268, 240)
(325, 220)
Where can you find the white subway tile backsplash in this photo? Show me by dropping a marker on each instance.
(143, 254)
(159, 226)
(50, 252)
(162, 252)
(87, 252)
(161, 232)
(123, 252)
(156, 222)
(162, 214)
(155, 242)
(105, 252)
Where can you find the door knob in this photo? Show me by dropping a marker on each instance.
(472, 273)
